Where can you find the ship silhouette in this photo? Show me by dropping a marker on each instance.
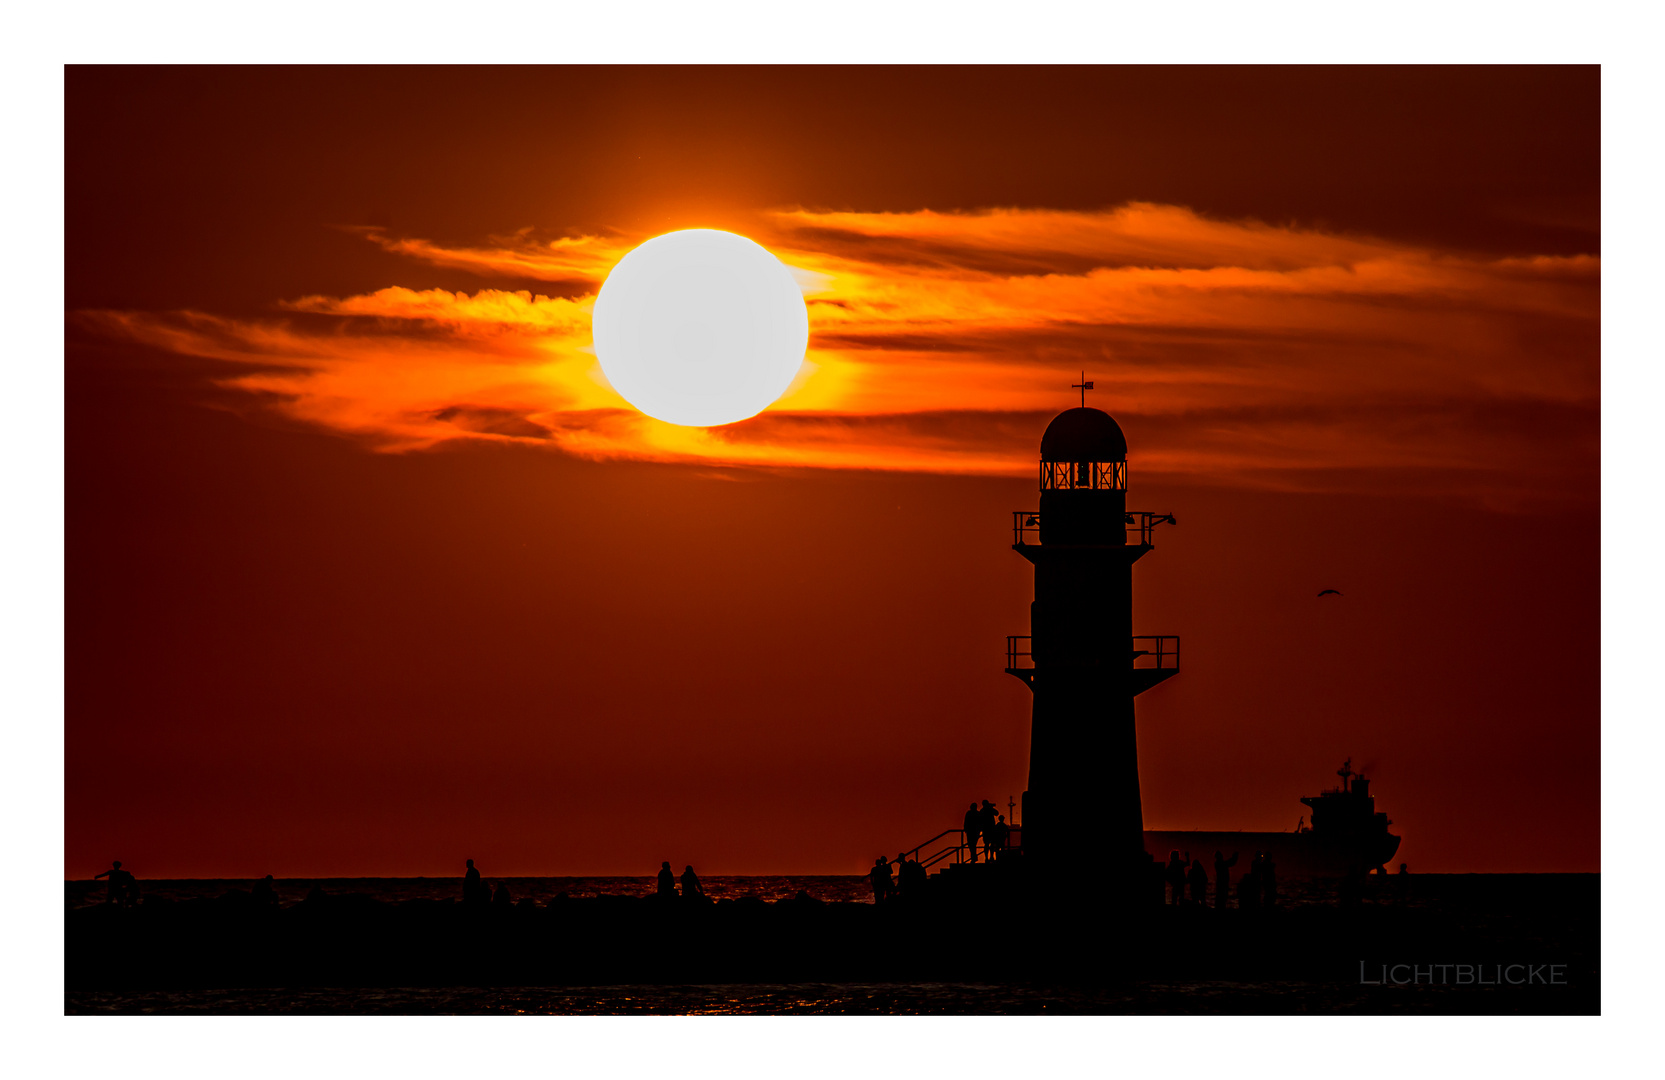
(1347, 834)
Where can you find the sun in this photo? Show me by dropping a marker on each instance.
(700, 328)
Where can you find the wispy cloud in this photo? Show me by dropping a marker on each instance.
(565, 258)
(1254, 353)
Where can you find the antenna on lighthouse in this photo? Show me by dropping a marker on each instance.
(1082, 386)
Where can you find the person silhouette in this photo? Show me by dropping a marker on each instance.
(500, 896)
(973, 829)
(880, 877)
(1268, 880)
(115, 892)
(999, 834)
(691, 890)
(263, 893)
(1175, 876)
(1404, 868)
(912, 875)
(1197, 879)
(1222, 877)
(1248, 889)
(667, 879)
(472, 887)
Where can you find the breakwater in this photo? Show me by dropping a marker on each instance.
(354, 941)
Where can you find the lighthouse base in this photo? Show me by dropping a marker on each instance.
(1067, 852)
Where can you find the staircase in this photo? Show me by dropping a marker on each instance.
(948, 852)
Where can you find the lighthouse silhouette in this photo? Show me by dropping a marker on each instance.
(1083, 664)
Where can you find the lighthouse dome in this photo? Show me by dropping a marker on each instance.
(1083, 435)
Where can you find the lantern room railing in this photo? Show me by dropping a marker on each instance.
(1083, 476)
(1026, 526)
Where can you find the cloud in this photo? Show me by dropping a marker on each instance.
(1237, 352)
(565, 258)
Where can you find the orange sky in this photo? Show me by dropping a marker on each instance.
(369, 566)
(1299, 332)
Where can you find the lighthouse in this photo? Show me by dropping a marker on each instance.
(1081, 660)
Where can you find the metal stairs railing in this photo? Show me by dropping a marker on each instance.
(955, 852)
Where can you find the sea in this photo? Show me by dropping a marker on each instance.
(1190, 998)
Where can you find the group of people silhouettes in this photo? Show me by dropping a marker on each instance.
(477, 892)
(891, 881)
(1187, 880)
(906, 877)
(986, 824)
(692, 893)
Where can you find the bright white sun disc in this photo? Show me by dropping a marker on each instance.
(700, 328)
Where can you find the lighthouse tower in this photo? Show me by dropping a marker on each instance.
(1081, 660)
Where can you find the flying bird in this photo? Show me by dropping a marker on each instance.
(1329, 592)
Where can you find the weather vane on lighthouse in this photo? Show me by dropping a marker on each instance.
(1082, 386)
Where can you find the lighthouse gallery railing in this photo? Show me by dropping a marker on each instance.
(1154, 652)
(1026, 526)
